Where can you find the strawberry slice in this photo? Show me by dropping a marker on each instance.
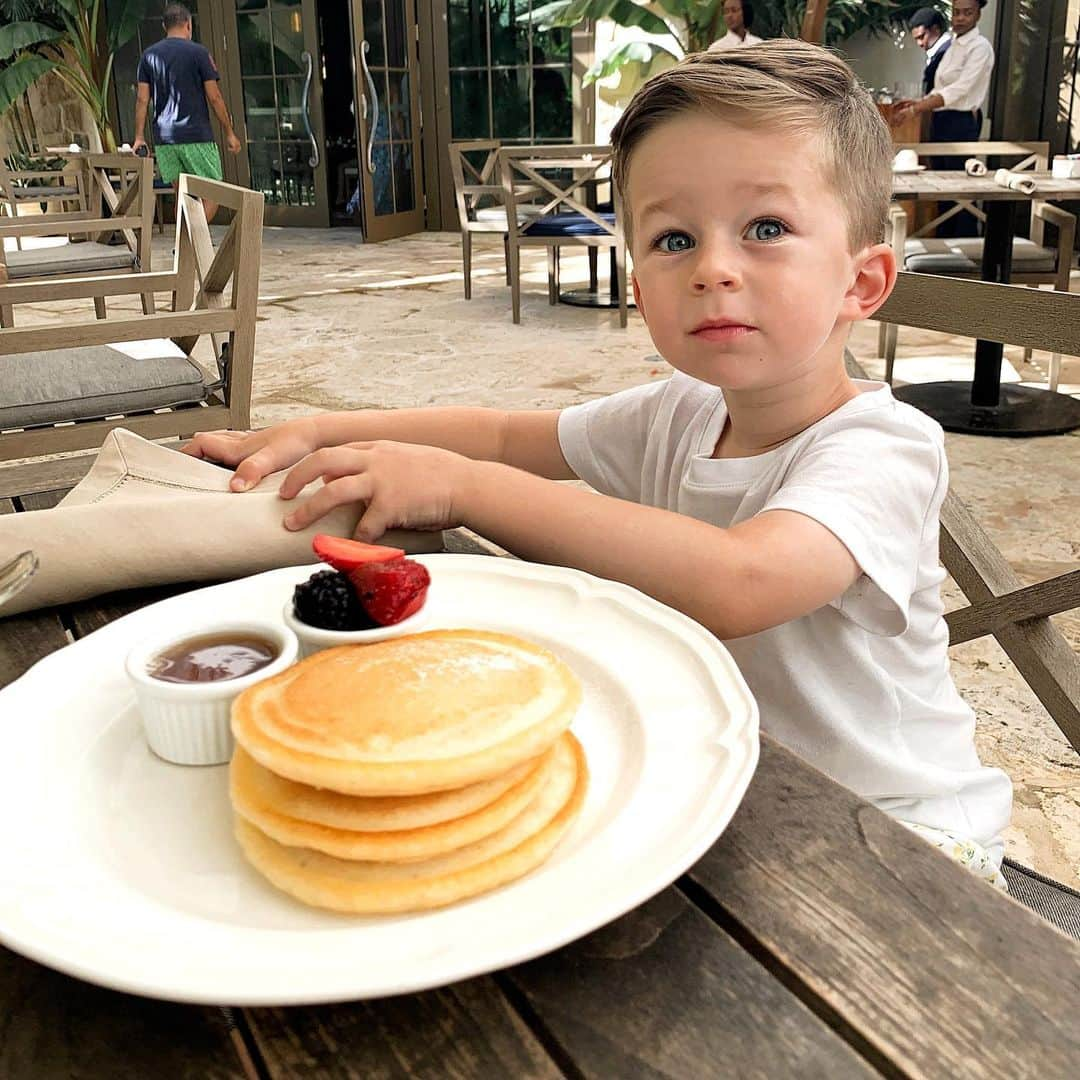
(390, 591)
(345, 555)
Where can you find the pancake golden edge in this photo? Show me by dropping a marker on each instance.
(359, 813)
(363, 762)
(380, 888)
(250, 800)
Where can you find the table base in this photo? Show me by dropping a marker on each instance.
(1021, 411)
(595, 298)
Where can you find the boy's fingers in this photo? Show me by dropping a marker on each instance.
(253, 468)
(371, 526)
(330, 464)
(348, 489)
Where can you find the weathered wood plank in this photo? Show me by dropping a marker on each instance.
(53, 1027)
(665, 992)
(1040, 600)
(886, 934)
(467, 1030)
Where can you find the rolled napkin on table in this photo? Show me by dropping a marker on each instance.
(148, 515)
(1016, 181)
(974, 167)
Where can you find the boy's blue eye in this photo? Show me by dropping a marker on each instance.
(674, 242)
(766, 229)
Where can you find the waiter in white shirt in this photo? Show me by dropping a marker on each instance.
(961, 84)
(927, 28)
(739, 17)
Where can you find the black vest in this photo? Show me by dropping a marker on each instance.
(931, 68)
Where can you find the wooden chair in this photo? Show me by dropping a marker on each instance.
(565, 218)
(123, 183)
(1034, 261)
(151, 386)
(1018, 616)
(34, 187)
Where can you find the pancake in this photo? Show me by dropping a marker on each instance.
(410, 715)
(252, 789)
(390, 813)
(372, 888)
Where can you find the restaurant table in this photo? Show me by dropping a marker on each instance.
(986, 406)
(816, 938)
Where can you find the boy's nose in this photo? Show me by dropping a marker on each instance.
(715, 269)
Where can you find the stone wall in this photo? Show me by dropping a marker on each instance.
(59, 114)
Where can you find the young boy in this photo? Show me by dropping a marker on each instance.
(760, 490)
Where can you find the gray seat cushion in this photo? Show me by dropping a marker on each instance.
(95, 381)
(964, 256)
(68, 259)
(36, 194)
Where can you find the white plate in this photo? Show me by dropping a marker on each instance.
(122, 869)
(909, 169)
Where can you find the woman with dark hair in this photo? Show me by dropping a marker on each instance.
(739, 17)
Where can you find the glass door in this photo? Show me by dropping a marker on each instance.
(387, 88)
(277, 108)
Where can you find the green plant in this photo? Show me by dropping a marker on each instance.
(74, 43)
(687, 26)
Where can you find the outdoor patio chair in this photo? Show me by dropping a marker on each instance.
(65, 186)
(1034, 262)
(478, 194)
(124, 184)
(1018, 616)
(562, 174)
(65, 385)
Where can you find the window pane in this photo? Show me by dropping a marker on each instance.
(254, 33)
(469, 105)
(509, 38)
(551, 46)
(400, 115)
(298, 177)
(403, 177)
(382, 129)
(510, 88)
(468, 33)
(382, 181)
(395, 32)
(260, 109)
(266, 170)
(288, 40)
(374, 34)
(250, 5)
(291, 108)
(553, 105)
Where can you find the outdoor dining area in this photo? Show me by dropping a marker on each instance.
(473, 798)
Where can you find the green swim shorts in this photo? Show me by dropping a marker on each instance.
(198, 158)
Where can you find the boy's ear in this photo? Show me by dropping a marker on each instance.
(875, 276)
(637, 298)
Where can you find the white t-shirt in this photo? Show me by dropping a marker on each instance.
(860, 687)
(963, 76)
(733, 41)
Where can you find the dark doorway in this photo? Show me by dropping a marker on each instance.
(339, 112)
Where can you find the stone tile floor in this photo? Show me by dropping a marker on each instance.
(348, 325)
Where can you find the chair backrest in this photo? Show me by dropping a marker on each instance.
(531, 168)
(1034, 155)
(204, 307)
(124, 184)
(1017, 616)
(48, 185)
(474, 167)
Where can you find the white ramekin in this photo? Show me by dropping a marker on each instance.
(188, 723)
(314, 638)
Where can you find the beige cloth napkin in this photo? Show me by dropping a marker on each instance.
(974, 167)
(148, 515)
(1016, 181)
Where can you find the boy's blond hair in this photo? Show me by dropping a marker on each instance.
(787, 85)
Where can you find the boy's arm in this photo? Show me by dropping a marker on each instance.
(760, 573)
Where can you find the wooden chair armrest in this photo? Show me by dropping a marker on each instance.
(1054, 214)
(81, 288)
(48, 225)
(1066, 227)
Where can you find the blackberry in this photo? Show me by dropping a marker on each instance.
(328, 600)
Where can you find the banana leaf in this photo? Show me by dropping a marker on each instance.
(642, 53)
(572, 12)
(19, 76)
(17, 36)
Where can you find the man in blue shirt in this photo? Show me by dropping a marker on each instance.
(182, 78)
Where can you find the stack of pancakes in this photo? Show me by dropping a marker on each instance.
(409, 773)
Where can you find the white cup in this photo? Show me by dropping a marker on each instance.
(906, 160)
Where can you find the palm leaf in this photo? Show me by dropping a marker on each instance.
(19, 76)
(124, 20)
(17, 36)
(643, 53)
(572, 12)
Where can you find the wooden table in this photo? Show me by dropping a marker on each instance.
(984, 406)
(816, 938)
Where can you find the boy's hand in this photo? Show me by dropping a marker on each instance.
(256, 453)
(403, 486)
